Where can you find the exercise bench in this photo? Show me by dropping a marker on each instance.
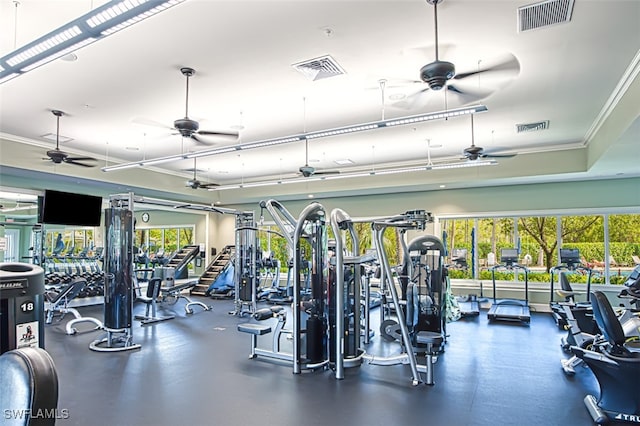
(175, 292)
(58, 302)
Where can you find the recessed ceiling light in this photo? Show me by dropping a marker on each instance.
(52, 137)
(397, 97)
(310, 195)
(343, 162)
(71, 57)
(443, 186)
(132, 148)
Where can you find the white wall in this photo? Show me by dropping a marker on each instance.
(603, 194)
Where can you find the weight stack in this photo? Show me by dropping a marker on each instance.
(21, 306)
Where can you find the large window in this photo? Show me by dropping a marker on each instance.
(609, 244)
(70, 242)
(624, 245)
(163, 240)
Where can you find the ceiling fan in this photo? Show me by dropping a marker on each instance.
(195, 183)
(57, 156)
(187, 127)
(475, 152)
(307, 170)
(442, 74)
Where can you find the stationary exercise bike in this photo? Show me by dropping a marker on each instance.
(583, 329)
(616, 364)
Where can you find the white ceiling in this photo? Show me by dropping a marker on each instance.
(575, 74)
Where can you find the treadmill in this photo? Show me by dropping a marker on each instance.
(510, 309)
(470, 304)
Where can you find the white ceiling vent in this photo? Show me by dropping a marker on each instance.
(532, 127)
(543, 14)
(318, 68)
(53, 136)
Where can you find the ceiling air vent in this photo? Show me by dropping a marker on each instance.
(318, 68)
(53, 136)
(543, 14)
(532, 127)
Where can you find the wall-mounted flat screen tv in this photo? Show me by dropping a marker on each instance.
(65, 208)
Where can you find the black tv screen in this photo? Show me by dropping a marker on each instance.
(570, 256)
(65, 208)
(509, 256)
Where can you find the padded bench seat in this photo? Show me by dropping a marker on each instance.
(255, 329)
(429, 338)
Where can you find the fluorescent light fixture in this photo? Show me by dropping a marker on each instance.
(400, 170)
(380, 172)
(474, 163)
(310, 135)
(8, 77)
(218, 151)
(94, 25)
(17, 208)
(15, 196)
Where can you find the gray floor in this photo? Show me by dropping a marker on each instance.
(194, 370)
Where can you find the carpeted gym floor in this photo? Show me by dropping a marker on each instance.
(194, 370)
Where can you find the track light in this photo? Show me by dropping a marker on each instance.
(90, 27)
(401, 121)
(380, 172)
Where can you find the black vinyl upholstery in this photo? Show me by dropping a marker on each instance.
(607, 321)
(153, 288)
(29, 388)
(564, 282)
(70, 292)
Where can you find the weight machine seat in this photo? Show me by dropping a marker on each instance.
(255, 329)
(430, 338)
(610, 326)
(153, 291)
(29, 386)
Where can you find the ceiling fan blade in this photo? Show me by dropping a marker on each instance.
(509, 64)
(148, 122)
(489, 155)
(471, 94)
(326, 172)
(201, 141)
(218, 133)
(209, 185)
(411, 100)
(81, 159)
(75, 163)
